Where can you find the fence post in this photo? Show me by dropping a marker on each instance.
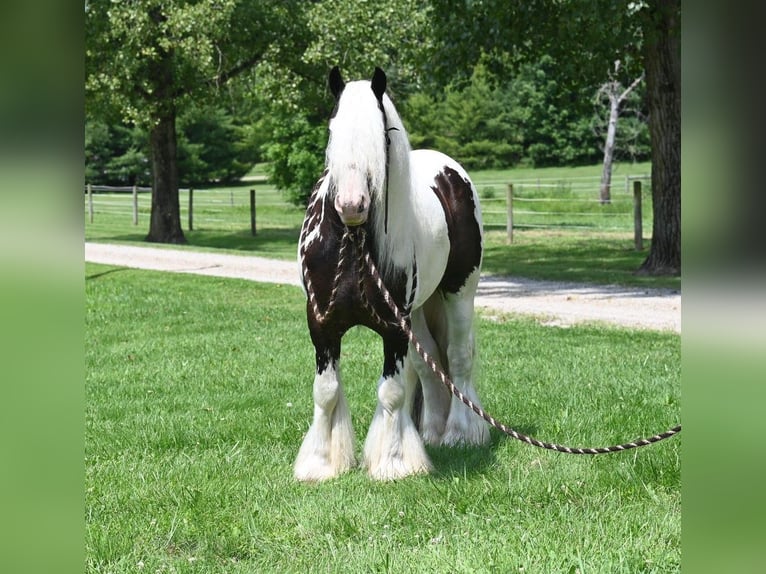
(90, 202)
(135, 205)
(509, 217)
(638, 231)
(252, 211)
(191, 209)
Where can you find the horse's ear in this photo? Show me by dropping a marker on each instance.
(379, 83)
(336, 82)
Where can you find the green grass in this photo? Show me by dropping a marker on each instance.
(600, 258)
(198, 392)
(557, 173)
(586, 247)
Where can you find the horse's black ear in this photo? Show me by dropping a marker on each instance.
(379, 83)
(336, 82)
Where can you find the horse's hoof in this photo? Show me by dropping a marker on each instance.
(431, 437)
(317, 469)
(475, 435)
(396, 470)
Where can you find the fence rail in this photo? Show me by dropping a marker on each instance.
(552, 203)
(566, 204)
(215, 208)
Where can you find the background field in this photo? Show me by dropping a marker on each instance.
(561, 233)
(198, 392)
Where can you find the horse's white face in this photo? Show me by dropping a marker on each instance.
(352, 196)
(356, 152)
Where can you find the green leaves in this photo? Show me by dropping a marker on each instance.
(296, 156)
(494, 120)
(140, 55)
(356, 35)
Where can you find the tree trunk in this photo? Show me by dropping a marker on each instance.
(611, 134)
(165, 222)
(662, 41)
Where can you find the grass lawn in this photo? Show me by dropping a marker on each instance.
(198, 392)
(593, 251)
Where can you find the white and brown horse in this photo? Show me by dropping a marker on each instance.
(420, 215)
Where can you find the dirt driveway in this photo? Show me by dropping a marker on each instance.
(553, 303)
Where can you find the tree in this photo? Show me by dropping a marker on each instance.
(582, 36)
(212, 146)
(471, 121)
(550, 115)
(661, 25)
(115, 154)
(615, 94)
(356, 35)
(146, 61)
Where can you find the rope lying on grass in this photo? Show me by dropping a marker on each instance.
(366, 263)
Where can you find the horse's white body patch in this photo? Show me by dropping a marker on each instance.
(432, 242)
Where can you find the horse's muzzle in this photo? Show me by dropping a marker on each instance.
(352, 213)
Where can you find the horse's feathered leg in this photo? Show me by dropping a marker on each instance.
(393, 448)
(328, 448)
(463, 426)
(436, 399)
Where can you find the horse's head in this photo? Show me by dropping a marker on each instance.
(357, 150)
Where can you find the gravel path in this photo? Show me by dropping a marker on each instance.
(554, 303)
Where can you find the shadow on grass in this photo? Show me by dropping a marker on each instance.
(107, 272)
(457, 461)
(269, 242)
(597, 260)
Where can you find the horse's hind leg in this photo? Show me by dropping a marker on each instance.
(436, 398)
(328, 448)
(393, 448)
(463, 425)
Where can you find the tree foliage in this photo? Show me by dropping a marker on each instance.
(115, 154)
(214, 146)
(584, 38)
(146, 62)
(463, 82)
(356, 35)
(207, 43)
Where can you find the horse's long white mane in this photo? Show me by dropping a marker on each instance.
(357, 142)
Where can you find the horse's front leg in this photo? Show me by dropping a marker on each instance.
(393, 448)
(328, 448)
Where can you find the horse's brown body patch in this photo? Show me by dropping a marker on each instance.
(456, 197)
(321, 259)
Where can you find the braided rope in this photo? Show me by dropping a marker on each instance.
(308, 226)
(454, 390)
(362, 292)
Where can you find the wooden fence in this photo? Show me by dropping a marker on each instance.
(571, 204)
(214, 208)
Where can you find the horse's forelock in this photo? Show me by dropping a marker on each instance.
(357, 136)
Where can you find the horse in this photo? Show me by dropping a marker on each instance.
(418, 215)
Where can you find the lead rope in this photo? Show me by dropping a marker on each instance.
(366, 262)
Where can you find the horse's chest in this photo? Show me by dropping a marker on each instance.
(340, 289)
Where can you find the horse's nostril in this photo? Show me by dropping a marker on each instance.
(362, 207)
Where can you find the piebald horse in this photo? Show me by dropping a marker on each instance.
(418, 214)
